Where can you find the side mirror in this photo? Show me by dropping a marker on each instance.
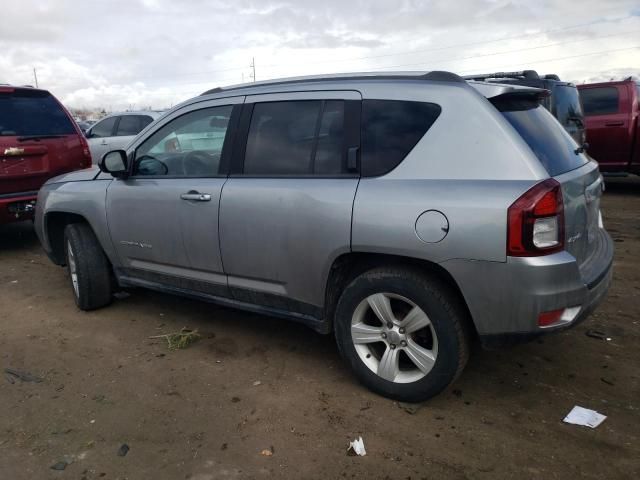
(87, 133)
(115, 163)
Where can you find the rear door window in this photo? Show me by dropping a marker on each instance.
(129, 125)
(390, 130)
(599, 101)
(303, 137)
(32, 112)
(545, 136)
(104, 128)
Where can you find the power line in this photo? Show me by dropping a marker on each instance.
(469, 44)
(503, 52)
(414, 52)
(549, 60)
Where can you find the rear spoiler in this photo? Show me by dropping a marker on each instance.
(493, 90)
(511, 97)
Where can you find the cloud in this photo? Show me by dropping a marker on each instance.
(137, 53)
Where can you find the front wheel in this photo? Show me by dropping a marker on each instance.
(88, 267)
(402, 333)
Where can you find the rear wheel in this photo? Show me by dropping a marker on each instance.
(89, 270)
(402, 333)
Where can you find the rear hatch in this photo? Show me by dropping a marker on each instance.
(581, 182)
(38, 140)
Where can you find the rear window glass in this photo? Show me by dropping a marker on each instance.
(567, 108)
(296, 138)
(25, 112)
(552, 145)
(129, 125)
(599, 101)
(390, 130)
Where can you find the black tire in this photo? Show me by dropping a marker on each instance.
(445, 311)
(92, 267)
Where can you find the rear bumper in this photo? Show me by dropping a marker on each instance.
(506, 299)
(18, 206)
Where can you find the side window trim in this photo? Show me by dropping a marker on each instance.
(351, 138)
(224, 157)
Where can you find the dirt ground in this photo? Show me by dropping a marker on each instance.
(200, 413)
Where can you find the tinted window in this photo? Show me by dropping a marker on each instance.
(144, 121)
(545, 136)
(104, 128)
(190, 145)
(296, 138)
(32, 113)
(567, 106)
(599, 101)
(130, 125)
(390, 130)
(568, 110)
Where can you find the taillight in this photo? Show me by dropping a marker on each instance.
(86, 153)
(536, 221)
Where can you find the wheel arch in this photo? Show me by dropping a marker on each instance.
(348, 266)
(54, 225)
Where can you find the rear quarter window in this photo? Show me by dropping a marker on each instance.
(545, 136)
(390, 130)
(599, 101)
(32, 112)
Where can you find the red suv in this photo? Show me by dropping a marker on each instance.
(38, 140)
(612, 111)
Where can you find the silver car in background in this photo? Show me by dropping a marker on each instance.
(116, 131)
(408, 214)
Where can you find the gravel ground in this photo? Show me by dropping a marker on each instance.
(255, 383)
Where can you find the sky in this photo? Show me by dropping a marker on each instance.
(135, 54)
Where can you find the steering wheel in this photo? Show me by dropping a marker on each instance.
(198, 162)
(150, 165)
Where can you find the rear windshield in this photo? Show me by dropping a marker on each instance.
(35, 112)
(567, 108)
(552, 145)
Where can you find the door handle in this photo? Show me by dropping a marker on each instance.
(196, 196)
(104, 142)
(614, 124)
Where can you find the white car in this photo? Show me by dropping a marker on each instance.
(116, 131)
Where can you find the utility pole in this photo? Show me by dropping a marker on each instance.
(253, 67)
(35, 76)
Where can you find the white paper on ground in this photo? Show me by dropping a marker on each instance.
(357, 446)
(584, 417)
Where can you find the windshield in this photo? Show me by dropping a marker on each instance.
(552, 145)
(25, 113)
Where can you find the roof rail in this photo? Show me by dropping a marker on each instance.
(434, 76)
(528, 74)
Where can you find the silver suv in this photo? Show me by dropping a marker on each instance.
(409, 214)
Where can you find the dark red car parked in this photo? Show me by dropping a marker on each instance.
(38, 140)
(612, 111)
